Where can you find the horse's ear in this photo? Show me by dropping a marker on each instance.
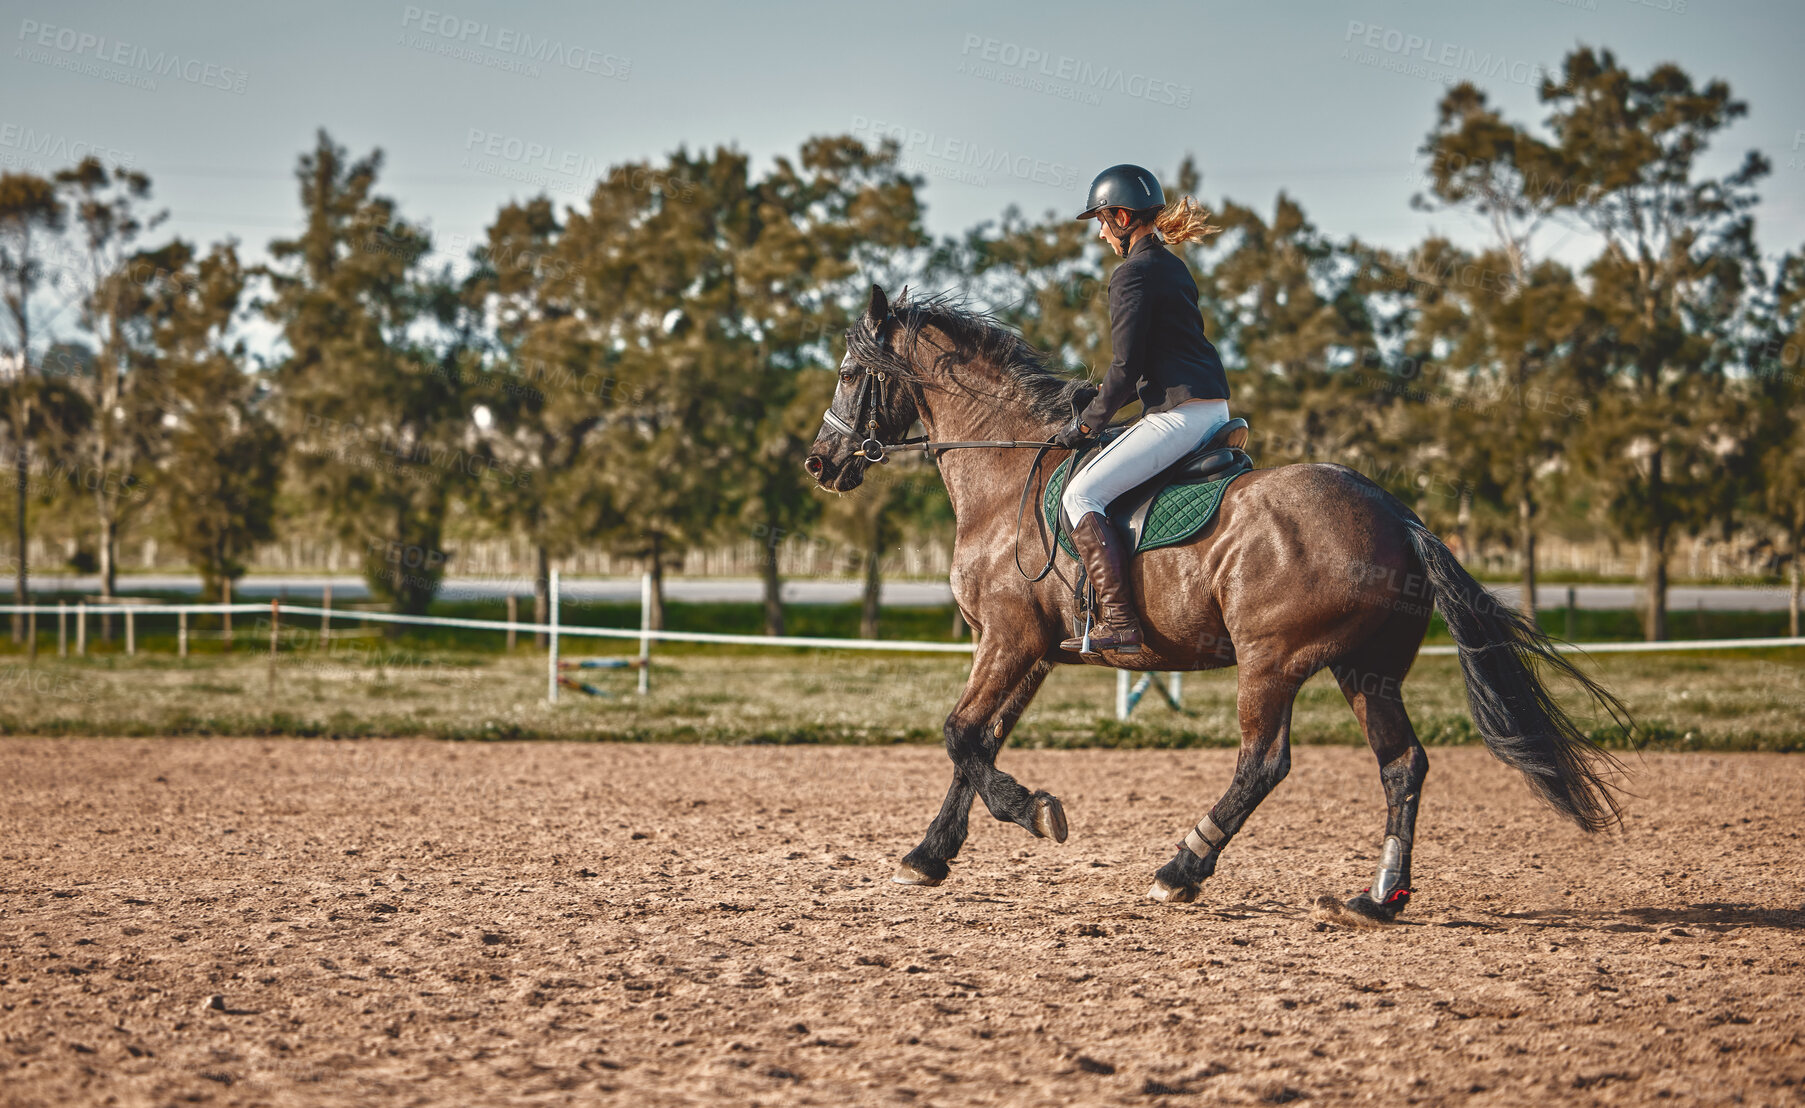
(879, 308)
(904, 298)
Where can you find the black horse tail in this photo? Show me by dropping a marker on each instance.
(1519, 720)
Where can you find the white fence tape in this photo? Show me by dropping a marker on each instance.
(804, 641)
(142, 609)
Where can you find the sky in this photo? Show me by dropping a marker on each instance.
(474, 104)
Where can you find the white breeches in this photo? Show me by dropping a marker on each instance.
(1149, 446)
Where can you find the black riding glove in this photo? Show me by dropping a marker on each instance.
(1072, 437)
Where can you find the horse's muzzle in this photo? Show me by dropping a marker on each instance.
(840, 474)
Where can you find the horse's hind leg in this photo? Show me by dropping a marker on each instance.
(1378, 703)
(1263, 698)
(995, 697)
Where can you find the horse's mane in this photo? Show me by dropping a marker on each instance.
(975, 334)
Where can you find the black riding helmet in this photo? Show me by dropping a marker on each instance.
(1123, 186)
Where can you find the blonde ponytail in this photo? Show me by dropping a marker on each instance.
(1184, 220)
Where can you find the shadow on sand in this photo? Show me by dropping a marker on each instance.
(1709, 916)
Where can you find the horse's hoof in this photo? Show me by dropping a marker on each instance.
(1172, 894)
(907, 874)
(1049, 817)
(1360, 912)
(1365, 905)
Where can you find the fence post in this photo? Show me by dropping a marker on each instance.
(551, 673)
(513, 618)
(226, 613)
(275, 631)
(62, 630)
(181, 634)
(326, 620)
(1175, 687)
(131, 634)
(31, 634)
(645, 637)
(81, 628)
(1792, 597)
(1572, 603)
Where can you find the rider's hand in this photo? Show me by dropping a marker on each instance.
(1072, 437)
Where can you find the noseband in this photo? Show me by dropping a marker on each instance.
(869, 402)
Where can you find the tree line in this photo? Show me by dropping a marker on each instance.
(645, 370)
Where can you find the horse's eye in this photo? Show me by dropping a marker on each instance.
(845, 376)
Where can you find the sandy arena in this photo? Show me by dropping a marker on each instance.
(284, 923)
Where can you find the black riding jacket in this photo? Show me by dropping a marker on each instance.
(1156, 333)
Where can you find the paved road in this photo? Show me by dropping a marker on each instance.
(896, 593)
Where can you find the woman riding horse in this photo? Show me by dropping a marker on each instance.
(1305, 568)
(1161, 356)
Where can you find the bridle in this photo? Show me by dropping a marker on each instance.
(870, 400)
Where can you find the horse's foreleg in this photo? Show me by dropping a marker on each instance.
(1378, 704)
(1264, 701)
(998, 691)
(1038, 811)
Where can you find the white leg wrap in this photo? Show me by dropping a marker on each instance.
(1205, 837)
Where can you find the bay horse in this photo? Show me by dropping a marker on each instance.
(1305, 567)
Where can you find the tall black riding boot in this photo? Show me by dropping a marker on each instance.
(1116, 628)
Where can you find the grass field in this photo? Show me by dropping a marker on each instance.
(460, 685)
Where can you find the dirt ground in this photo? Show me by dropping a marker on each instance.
(288, 922)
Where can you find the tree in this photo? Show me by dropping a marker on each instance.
(1677, 250)
(902, 499)
(30, 213)
(1511, 402)
(370, 381)
(791, 247)
(1522, 312)
(1291, 307)
(546, 386)
(711, 293)
(116, 286)
(1777, 438)
(1046, 278)
(659, 458)
(225, 456)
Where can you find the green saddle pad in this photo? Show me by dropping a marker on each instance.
(1178, 512)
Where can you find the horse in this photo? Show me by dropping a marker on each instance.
(1306, 567)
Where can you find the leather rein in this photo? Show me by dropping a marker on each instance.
(872, 450)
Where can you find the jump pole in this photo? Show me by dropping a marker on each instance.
(645, 640)
(1129, 695)
(551, 673)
